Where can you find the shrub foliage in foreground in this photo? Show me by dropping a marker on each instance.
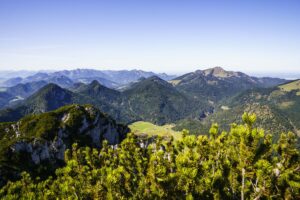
(240, 164)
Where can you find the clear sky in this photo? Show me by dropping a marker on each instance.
(157, 35)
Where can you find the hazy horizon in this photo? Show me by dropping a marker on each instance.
(286, 75)
(160, 36)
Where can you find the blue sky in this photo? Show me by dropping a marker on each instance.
(157, 35)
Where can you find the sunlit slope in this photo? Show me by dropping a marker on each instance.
(294, 85)
(149, 129)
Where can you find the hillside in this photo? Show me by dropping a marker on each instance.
(48, 98)
(37, 143)
(24, 90)
(12, 81)
(277, 110)
(5, 98)
(97, 91)
(106, 99)
(51, 97)
(284, 104)
(12, 95)
(157, 101)
(291, 86)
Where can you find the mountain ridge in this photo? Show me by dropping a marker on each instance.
(196, 96)
(65, 78)
(217, 83)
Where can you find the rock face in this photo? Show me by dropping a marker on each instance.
(39, 151)
(41, 140)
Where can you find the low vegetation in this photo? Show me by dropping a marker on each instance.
(243, 163)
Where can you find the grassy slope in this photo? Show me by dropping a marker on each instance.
(294, 85)
(141, 128)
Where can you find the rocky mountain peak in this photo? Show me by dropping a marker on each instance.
(218, 72)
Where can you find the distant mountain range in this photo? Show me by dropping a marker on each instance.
(67, 78)
(18, 88)
(194, 95)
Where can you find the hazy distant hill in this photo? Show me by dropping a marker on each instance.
(66, 78)
(26, 89)
(12, 82)
(5, 98)
(63, 81)
(52, 96)
(120, 77)
(8, 74)
(14, 94)
(102, 81)
(48, 98)
(127, 76)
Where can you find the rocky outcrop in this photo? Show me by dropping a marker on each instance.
(40, 151)
(93, 132)
(32, 146)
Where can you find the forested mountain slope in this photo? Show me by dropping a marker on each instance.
(155, 100)
(51, 97)
(277, 108)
